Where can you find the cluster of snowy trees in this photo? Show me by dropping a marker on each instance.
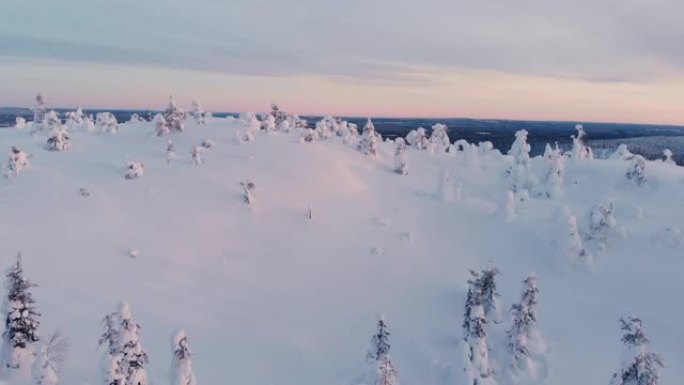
(27, 355)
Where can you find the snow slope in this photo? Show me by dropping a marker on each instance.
(268, 296)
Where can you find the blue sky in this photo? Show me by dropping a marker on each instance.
(604, 60)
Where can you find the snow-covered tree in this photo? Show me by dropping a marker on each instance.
(621, 153)
(580, 150)
(475, 347)
(198, 114)
(369, 139)
(574, 247)
(250, 120)
(601, 221)
(524, 340)
(554, 174)
(400, 160)
(639, 366)
(17, 160)
(439, 139)
(50, 357)
(268, 125)
(380, 354)
(19, 123)
(21, 322)
(74, 118)
(520, 150)
(637, 170)
(308, 135)
(284, 126)
(668, 157)
(59, 139)
(39, 110)
(483, 291)
(181, 365)
(174, 117)
(135, 118)
(112, 365)
(106, 121)
(418, 139)
(134, 170)
(277, 113)
(160, 127)
(134, 356)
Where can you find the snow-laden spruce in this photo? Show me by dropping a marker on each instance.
(380, 354)
(477, 368)
(636, 172)
(39, 110)
(369, 139)
(133, 356)
(21, 335)
(601, 222)
(19, 123)
(174, 118)
(524, 340)
(112, 364)
(400, 160)
(520, 151)
(483, 291)
(58, 139)
(639, 366)
(418, 139)
(553, 182)
(580, 150)
(181, 364)
(74, 118)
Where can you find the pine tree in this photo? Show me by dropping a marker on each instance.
(380, 349)
(113, 370)
(21, 322)
(174, 117)
(580, 150)
(39, 110)
(642, 369)
(369, 139)
(181, 366)
(637, 170)
(556, 169)
(476, 349)
(483, 292)
(198, 112)
(602, 220)
(439, 139)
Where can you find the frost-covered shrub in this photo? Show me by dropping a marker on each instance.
(181, 364)
(439, 139)
(368, 144)
(636, 171)
(174, 117)
(19, 123)
(520, 149)
(309, 135)
(107, 123)
(555, 171)
(16, 161)
(640, 367)
(134, 170)
(277, 114)
(400, 160)
(284, 126)
(248, 188)
(21, 322)
(621, 153)
(580, 150)
(59, 139)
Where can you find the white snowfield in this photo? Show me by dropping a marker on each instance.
(268, 296)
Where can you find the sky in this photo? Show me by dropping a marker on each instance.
(580, 60)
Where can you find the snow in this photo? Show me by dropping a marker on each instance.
(271, 297)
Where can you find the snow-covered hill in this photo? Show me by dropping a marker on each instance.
(269, 296)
